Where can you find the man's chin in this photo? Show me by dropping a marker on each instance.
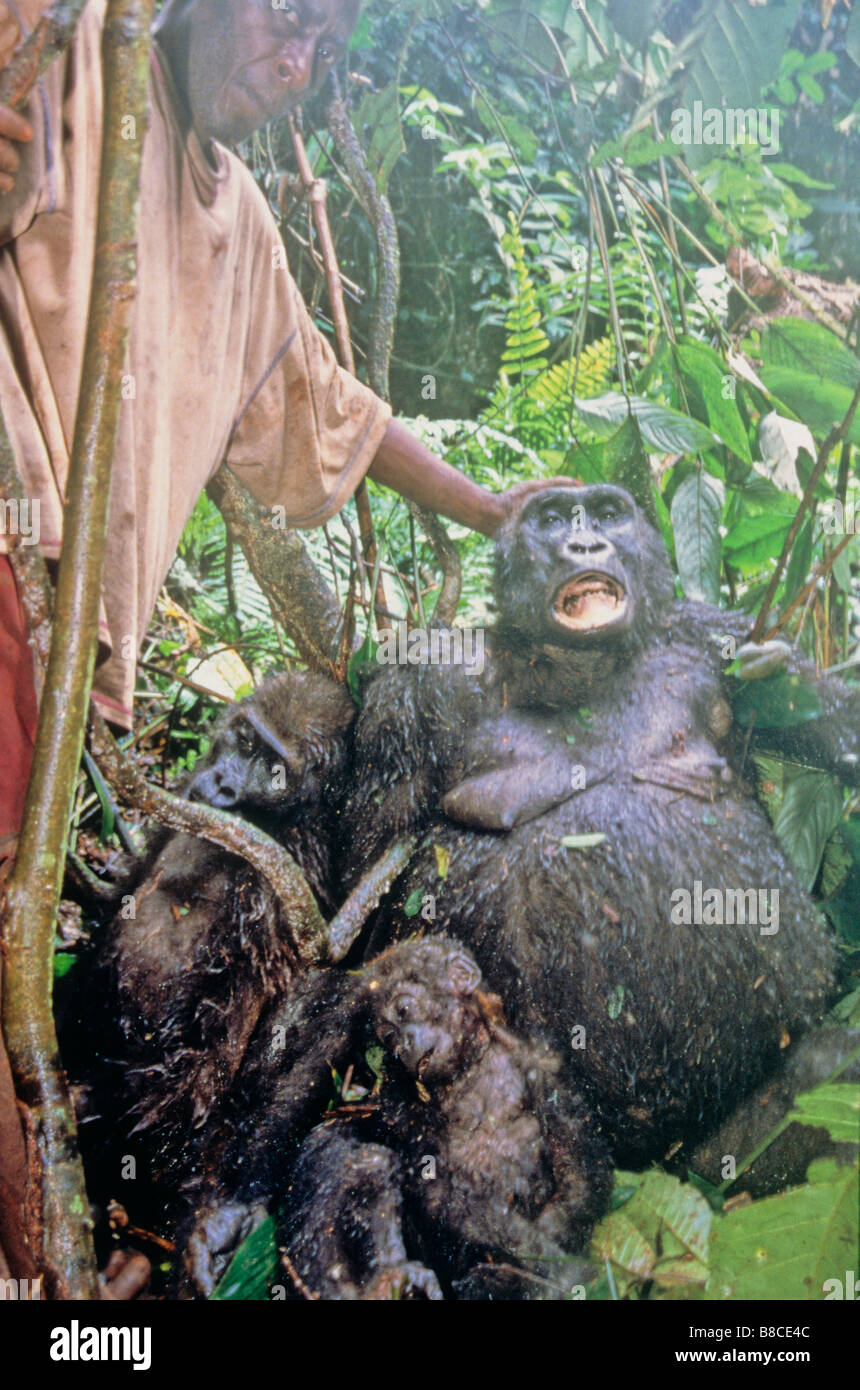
(231, 132)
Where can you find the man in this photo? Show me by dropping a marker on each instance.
(224, 362)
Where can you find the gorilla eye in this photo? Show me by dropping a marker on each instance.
(246, 741)
(609, 511)
(327, 55)
(553, 517)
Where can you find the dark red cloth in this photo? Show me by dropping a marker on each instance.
(17, 735)
(18, 709)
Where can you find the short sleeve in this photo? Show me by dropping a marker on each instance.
(307, 430)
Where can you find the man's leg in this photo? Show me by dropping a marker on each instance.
(17, 736)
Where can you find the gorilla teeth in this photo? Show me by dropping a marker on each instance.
(593, 600)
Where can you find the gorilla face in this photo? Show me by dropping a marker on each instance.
(276, 751)
(571, 567)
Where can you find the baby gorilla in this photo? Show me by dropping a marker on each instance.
(499, 1161)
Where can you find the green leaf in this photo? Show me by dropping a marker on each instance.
(807, 83)
(786, 1247)
(811, 349)
(412, 906)
(733, 50)
(777, 702)
(701, 366)
(63, 962)
(662, 1234)
(834, 1107)
(661, 427)
(363, 657)
(615, 1002)
(253, 1268)
(757, 539)
(793, 175)
(696, 513)
(378, 120)
(810, 812)
(818, 403)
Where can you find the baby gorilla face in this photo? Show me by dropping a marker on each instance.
(427, 1017)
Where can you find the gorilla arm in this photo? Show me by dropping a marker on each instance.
(830, 740)
(408, 750)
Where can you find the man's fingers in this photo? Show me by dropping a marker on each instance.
(9, 161)
(519, 494)
(13, 126)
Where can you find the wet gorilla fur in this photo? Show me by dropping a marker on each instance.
(496, 1156)
(200, 946)
(603, 711)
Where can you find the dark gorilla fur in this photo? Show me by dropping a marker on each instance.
(185, 978)
(496, 1157)
(343, 1225)
(595, 669)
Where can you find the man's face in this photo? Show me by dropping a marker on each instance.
(252, 60)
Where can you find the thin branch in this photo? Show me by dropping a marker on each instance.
(345, 928)
(317, 196)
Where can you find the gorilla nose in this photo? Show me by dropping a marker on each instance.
(212, 788)
(583, 542)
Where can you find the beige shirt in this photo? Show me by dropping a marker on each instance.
(224, 362)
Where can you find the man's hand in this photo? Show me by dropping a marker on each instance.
(516, 496)
(13, 130)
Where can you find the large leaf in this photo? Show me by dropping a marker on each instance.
(661, 427)
(812, 349)
(734, 50)
(378, 119)
(835, 1108)
(778, 702)
(696, 515)
(757, 539)
(818, 403)
(701, 364)
(810, 812)
(787, 1247)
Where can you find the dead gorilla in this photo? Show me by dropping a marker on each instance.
(603, 711)
(496, 1158)
(187, 971)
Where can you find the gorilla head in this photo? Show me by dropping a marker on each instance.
(581, 567)
(277, 751)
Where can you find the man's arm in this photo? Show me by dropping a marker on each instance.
(405, 464)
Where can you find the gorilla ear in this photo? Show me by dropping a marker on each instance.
(463, 973)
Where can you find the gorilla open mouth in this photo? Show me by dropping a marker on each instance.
(590, 601)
